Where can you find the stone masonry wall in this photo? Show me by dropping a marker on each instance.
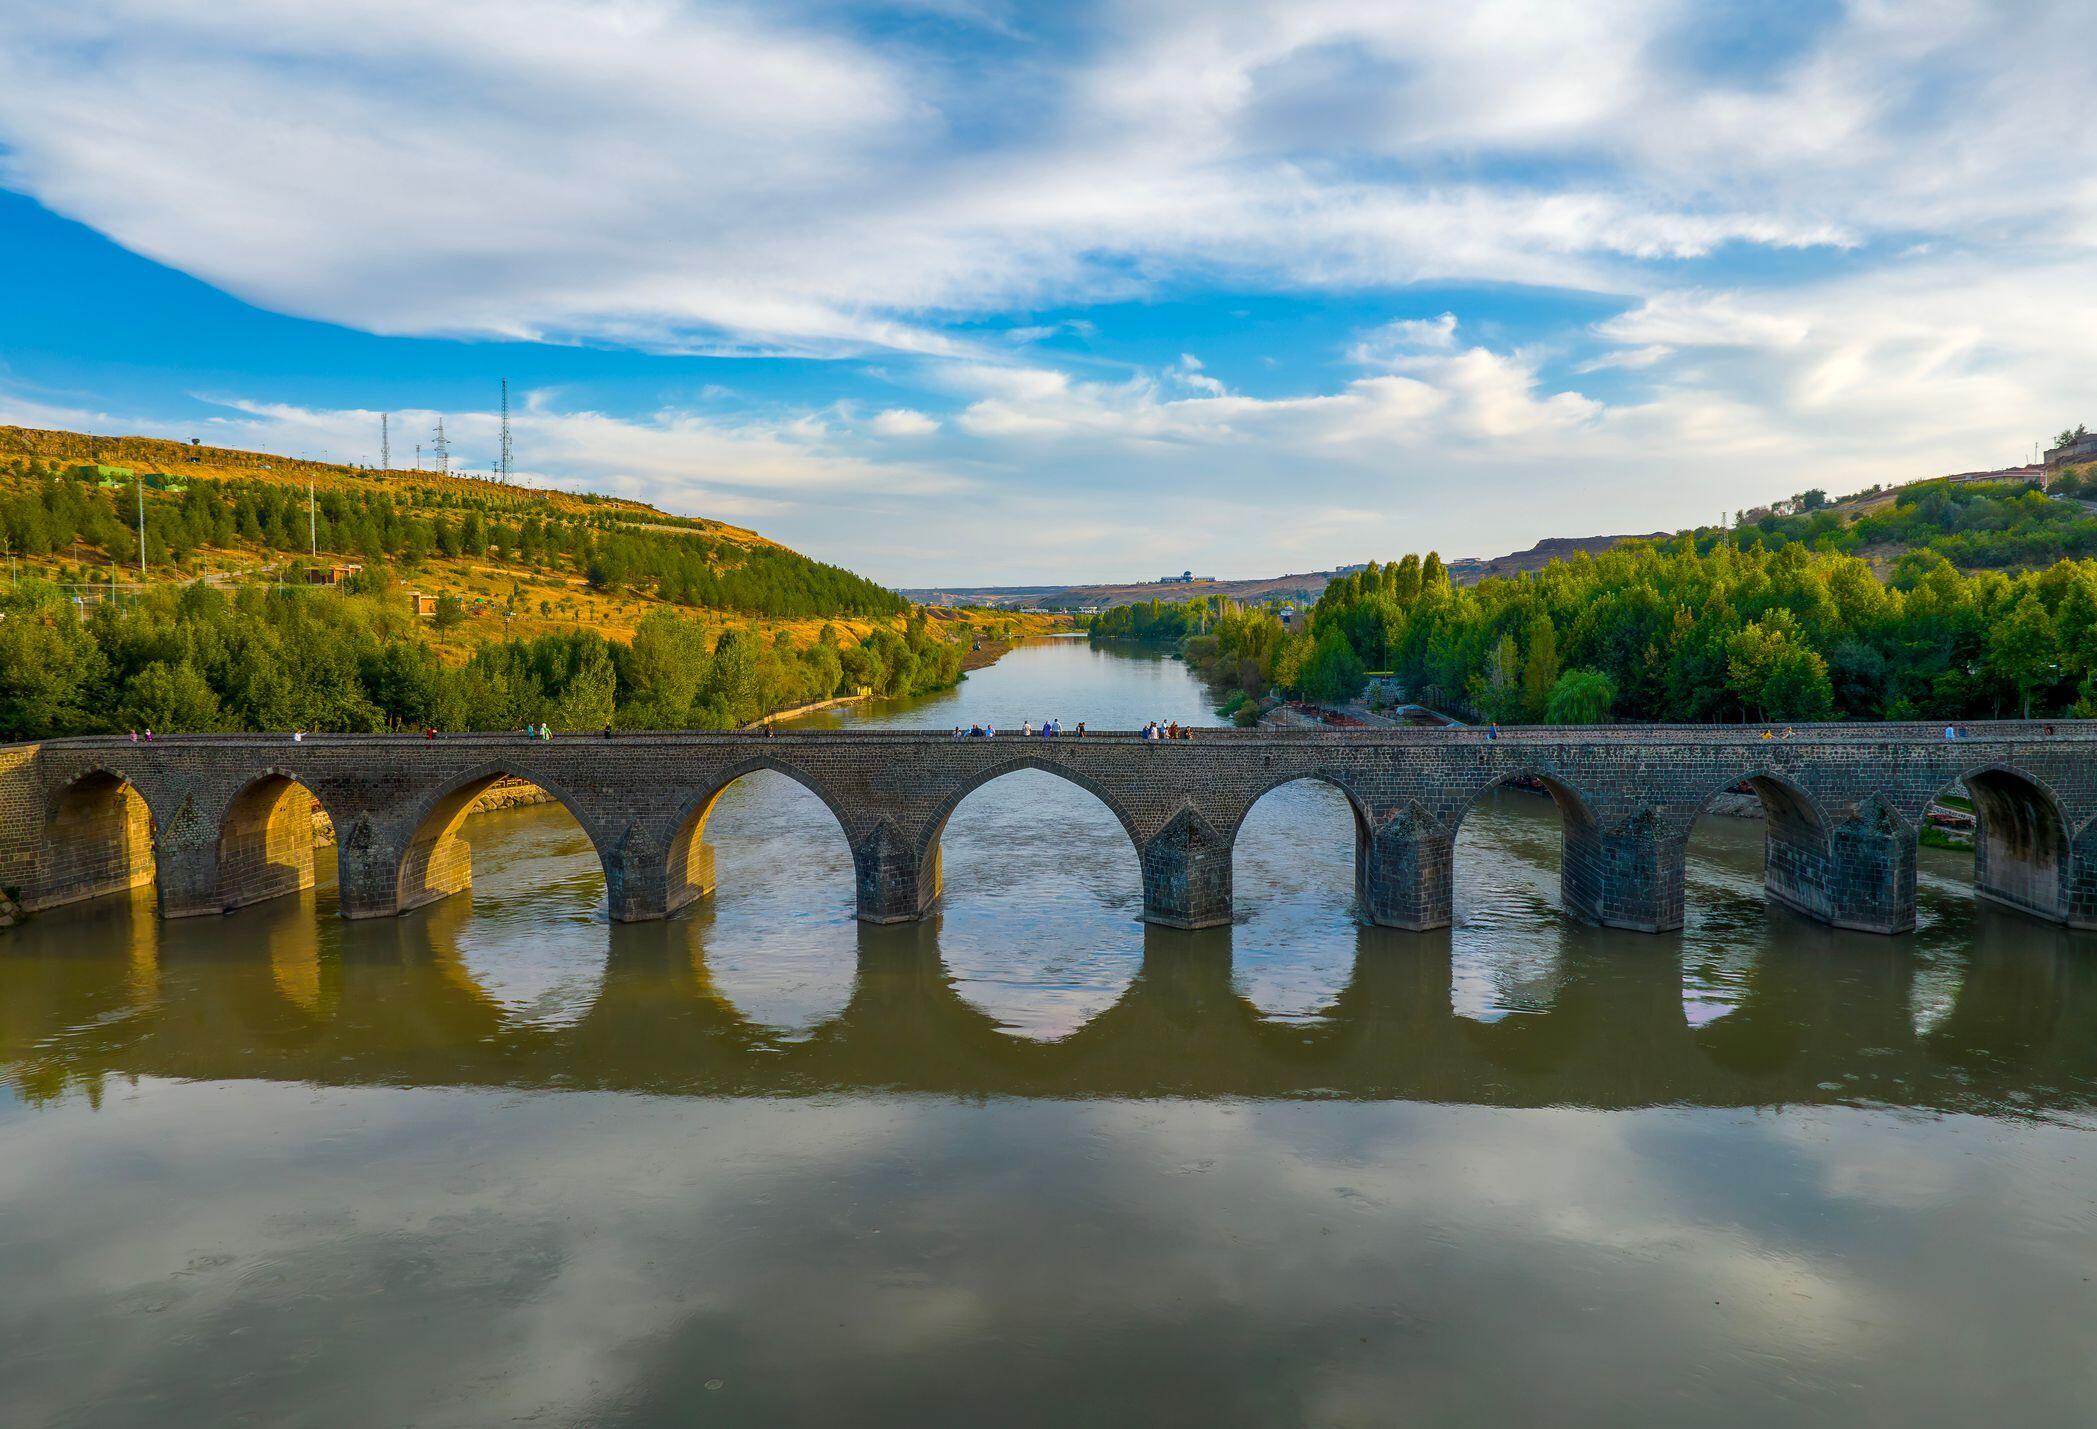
(1850, 798)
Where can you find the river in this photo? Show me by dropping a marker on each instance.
(1034, 1163)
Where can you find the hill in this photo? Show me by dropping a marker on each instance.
(181, 587)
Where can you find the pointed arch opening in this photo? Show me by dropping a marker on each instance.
(2019, 839)
(97, 842)
(1509, 856)
(1760, 834)
(774, 820)
(275, 839)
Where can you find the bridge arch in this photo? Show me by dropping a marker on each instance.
(436, 862)
(2021, 840)
(1797, 838)
(690, 859)
(1589, 887)
(98, 839)
(1112, 881)
(1316, 858)
(265, 838)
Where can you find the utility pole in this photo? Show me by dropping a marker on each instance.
(385, 441)
(443, 449)
(312, 521)
(506, 431)
(138, 484)
(418, 456)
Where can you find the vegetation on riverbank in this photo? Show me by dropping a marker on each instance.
(1698, 628)
(199, 658)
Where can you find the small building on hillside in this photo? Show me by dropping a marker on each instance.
(332, 575)
(422, 605)
(2083, 448)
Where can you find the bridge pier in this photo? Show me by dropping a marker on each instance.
(1187, 874)
(186, 879)
(895, 882)
(1403, 870)
(1630, 876)
(1867, 880)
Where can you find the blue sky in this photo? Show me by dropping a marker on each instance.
(966, 292)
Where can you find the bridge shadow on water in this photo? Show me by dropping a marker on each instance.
(2005, 1021)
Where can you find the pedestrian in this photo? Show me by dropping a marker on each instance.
(1081, 729)
(957, 731)
(1950, 732)
(298, 736)
(768, 729)
(149, 734)
(1026, 726)
(134, 736)
(2049, 731)
(429, 731)
(1492, 731)
(545, 732)
(607, 731)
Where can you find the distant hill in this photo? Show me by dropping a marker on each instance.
(2007, 518)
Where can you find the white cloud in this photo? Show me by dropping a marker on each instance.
(903, 422)
(1404, 337)
(760, 179)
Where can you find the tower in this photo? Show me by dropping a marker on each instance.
(385, 441)
(443, 449)
(506, 430)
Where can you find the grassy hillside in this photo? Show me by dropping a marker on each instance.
(575, 609)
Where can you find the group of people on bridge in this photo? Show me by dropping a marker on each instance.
(1048, 729)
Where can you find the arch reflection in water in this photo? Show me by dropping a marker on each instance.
(1823, 1018)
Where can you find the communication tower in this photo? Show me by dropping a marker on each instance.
(385, 441)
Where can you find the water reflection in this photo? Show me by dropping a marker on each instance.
(1604, 1020)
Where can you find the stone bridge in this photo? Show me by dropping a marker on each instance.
(221, 821)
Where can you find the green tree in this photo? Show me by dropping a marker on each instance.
(1539, 667)
(2023, 652)
(170, 697)
(1580, 697)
